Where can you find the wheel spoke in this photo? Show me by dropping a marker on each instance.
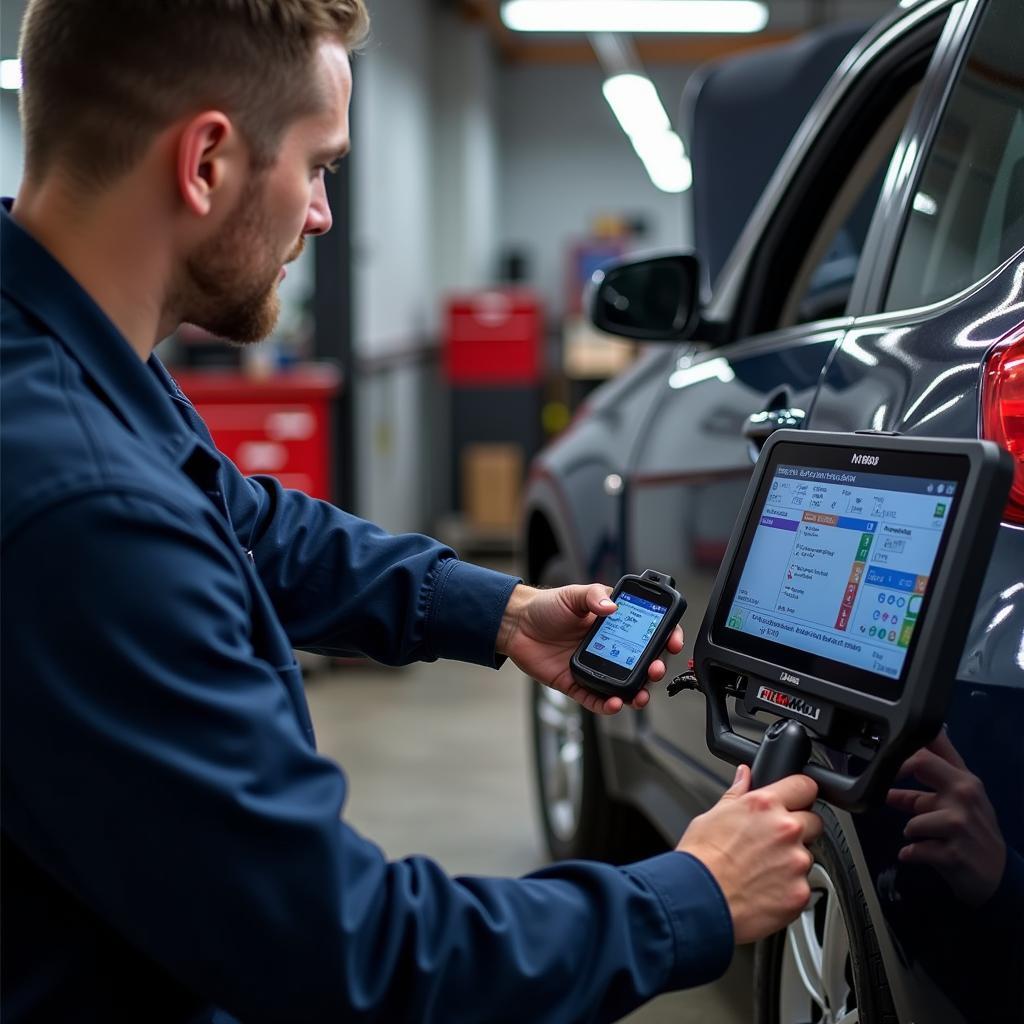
(835, 952)
(560, 744)
(853, 1017)
(803, 945)
(550, 716)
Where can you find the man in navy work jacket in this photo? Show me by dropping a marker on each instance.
(173, 848)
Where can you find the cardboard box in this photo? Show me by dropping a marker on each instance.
(492, 484)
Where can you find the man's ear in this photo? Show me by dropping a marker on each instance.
(208, 154)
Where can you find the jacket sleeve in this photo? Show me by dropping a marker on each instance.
(154, 766)
(341, 585)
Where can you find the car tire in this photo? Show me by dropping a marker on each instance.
(578, 817)
(826, 967)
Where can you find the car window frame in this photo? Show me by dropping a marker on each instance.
(888, 225)
(733, 307)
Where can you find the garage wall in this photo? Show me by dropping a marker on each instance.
(390, 185)
(10, 144)
(424, 222)
(465, 214)
(565, 161)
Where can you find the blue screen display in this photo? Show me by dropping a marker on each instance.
(625, 634)
(840, 568)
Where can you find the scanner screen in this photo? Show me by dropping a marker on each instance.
(839, 563)
(625, 634)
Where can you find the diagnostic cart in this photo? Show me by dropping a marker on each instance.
(843, 602)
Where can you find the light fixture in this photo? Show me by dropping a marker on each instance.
(666, 161)
(638, 109)
(10, 74)
(635, 103)
(726, 16)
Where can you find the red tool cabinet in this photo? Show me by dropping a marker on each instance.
(494, 338)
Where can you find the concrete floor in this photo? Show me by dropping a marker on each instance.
(437, 763)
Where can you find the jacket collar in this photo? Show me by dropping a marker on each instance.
(140, 393)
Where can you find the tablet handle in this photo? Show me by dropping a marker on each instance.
(784, 751)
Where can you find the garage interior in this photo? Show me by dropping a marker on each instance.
(488, 178)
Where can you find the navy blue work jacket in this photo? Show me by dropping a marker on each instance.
(173, 848)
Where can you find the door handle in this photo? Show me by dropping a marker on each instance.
(759, 427)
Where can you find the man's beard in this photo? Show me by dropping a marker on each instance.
(227, 292)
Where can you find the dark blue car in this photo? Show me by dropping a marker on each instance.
(877, 284)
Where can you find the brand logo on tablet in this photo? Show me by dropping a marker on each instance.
(864, 460)
(785, 677)
(786, 701)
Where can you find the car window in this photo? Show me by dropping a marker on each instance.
(967, 214)
(809, 251)
(821, 286)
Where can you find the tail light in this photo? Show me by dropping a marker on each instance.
(1002, 411)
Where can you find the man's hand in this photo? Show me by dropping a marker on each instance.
(755, 845)
(541, 629)
(954, 828)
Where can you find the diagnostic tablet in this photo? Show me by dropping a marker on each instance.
(845, 595)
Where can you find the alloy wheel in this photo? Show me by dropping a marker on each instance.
(560, 745)
(816, 973)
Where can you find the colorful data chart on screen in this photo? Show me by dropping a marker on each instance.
(840, 562)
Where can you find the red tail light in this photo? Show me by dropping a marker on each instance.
(1002, 411)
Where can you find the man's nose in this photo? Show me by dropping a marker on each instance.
(318, 217)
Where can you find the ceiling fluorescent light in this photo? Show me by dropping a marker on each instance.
(664, 157)
(636, 104)
(638, 109)
(724, 16)
(10, 74)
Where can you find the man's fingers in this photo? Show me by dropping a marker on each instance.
(675, 641)
(812, 825)
(642, 699)
(657, 671)
(588, 700)
(740, 783)
(797, 792)
(596, 600)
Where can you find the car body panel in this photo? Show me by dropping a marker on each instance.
(920, 374)
(686, 481)
(671, 432)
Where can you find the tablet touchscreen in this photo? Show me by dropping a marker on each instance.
(833, 572)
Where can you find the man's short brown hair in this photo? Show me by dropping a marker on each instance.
(101, 78)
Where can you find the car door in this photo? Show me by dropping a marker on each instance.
(942, 297)
(780, 309)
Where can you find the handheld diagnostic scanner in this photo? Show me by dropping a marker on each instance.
(843, 602)
(614, 656)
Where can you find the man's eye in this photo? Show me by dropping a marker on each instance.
(331, 168)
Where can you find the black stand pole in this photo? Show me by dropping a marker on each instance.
(784, 751)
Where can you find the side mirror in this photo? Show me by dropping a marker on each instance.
(653, 299)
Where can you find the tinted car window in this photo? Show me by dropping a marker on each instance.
(822, 285)
(968, 212)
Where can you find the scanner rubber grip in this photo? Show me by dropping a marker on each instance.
(783, 751)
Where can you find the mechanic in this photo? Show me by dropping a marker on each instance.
(172, 842)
